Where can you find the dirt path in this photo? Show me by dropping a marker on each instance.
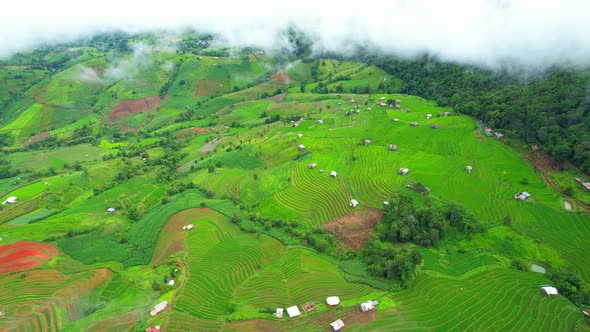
(210, 146)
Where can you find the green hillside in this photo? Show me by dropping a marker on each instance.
(110, 152)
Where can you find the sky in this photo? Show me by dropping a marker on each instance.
(529, 33)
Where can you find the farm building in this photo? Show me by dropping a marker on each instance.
(367, 142)
(301, 147)
(413, 124)
(354, 203)
(403, 171)
(337, 324)
(548, 290)
(498, 135)
(10, 200)
(299, 135)
(468, 169)
(188, 227)
(153, 329)
(293, 311)
(395, 120)
(369, 305)
(111, 210)
(333, 173)
(171, 282)
(435, 126)
(392, 147)
(489, 131)
(312, 166)
(428, 116)
(159, 308)
(279, 313)
(522, 196)
(584, 183)
(333, 301)
(320, 121)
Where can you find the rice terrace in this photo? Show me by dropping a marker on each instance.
(173, 182)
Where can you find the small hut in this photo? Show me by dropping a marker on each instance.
(301, 147)
(333, 174)
(159, 308)
(428, 116)
(403, 171)
(435, 126)
(299, 135)
(332, 301)
(369, 109)
(312, 166)
(468, 169)
(367, 142)
(413, 124)
(337, 325)
(548, 290)
(354, 203)
(10, 200)
(111, 210)
(320, 121)
(407, 110)
(369, 305)
(392, 147)
(395, 120)
(447, 113)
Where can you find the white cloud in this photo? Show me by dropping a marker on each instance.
(530, 32)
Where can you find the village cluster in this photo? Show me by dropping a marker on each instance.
(331, 301)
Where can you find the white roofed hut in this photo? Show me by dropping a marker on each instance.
(548, 290)
(293, 311)
(333, 174)
(159, 308)
(435, 126)
(10, 200)
(332, 301)
(312, 166)
(301, 147)
(468, 169)
(188, 227)
(111, 210)
(367, 142)
(395, 120)
(320, 121)
(369, 305)
(354, 203)
(407, 110)
(337, 325)
(403, 171)
(392, 147)
(299, 135)
(428, 116)
(279, 313)
(413, 124)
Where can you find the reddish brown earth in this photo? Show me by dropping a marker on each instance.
(207, 88)
(38, 137)
(24, 255)
(354, 229)
(126, 107)
(282, 77)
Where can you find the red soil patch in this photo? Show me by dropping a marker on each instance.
(209, 87)
(126, 107)
(38, 137)
(354, 229)
(282, 77)
(24, 255)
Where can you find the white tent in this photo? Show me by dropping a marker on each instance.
(293, 311)
(548, 290)
(111, 210)
(337, 324)
(333, 300)
(333, 173)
